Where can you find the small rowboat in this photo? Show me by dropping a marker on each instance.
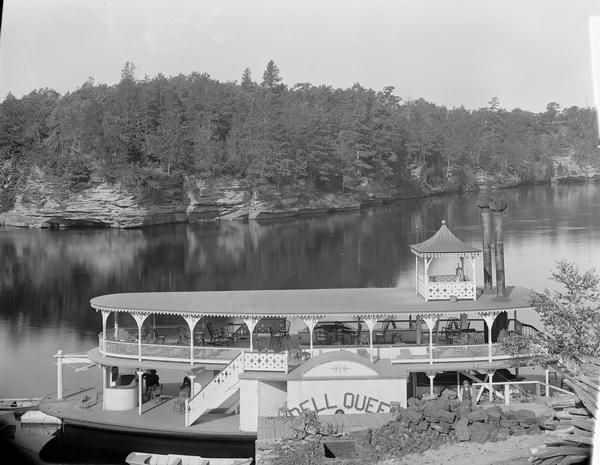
(19, 405)
(143, 458)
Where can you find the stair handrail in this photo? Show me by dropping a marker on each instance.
(225, 380)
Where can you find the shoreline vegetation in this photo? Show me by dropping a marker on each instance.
(191, 148)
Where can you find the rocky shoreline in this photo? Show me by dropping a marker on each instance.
(52, 204)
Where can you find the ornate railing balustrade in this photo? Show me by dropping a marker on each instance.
(443, 289)
(166, 352)
(255, 361)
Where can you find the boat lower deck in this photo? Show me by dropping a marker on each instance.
(157, 418)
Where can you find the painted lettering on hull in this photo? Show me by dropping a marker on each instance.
(351, 402)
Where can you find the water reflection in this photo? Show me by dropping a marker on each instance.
(47, 278)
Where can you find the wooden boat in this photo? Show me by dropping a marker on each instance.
(19, 405)
(143, 458)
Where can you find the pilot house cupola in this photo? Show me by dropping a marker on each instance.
(445, 267)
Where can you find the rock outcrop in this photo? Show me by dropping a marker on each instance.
(44, 203)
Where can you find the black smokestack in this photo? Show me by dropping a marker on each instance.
(486, 222)
(498, 206)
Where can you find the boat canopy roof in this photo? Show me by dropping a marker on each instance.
(304, 303)
(444, 242)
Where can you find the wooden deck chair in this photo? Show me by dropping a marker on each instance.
(320, 336)
(275, 337)
(214, 337)
(380, 335)
(356, 334)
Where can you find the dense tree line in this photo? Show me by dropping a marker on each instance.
(300, 139)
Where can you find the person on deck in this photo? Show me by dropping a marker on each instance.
(466, 393)
(185, 388)
(151, 380)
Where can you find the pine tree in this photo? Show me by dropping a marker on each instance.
(271, 78)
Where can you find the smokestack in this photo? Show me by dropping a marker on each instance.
(498, 206)
(486, 221)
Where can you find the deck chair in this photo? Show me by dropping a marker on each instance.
(320, 336)
(275, 338)
(215, 339)
(227, 336)
(380, 335)
(156, 393)
(356, 334)
(182, 336)
(284, 330)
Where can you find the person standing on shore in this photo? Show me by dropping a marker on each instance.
(466, 394)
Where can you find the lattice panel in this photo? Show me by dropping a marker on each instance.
(254, 361)
(443, 291)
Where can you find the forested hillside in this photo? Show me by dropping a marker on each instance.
(300, 139)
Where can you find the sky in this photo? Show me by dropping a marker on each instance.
(450, 52)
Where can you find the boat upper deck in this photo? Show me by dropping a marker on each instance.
(304, 303)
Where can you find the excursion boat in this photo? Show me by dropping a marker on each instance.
(253, 354)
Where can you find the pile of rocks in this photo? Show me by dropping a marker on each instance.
(432, 423)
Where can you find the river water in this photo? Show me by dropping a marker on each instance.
(48, 277)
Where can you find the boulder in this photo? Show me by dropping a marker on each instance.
(413, 416)
(508, 423)
(462, 429)
(525, 417)
(477, 415)
(479, 435)
(494, 414)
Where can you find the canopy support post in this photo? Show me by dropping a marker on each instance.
(139, 373)
(431, 375)
(251, 323)
(59, 375)
(191, 322)
(311, 323)
(371, 322)
(431, 321)
(105, 314)
(489, 320)
(139, 319)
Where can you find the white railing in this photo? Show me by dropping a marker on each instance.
(508, 389)
(443, 290)
(452, 353)
(215, 392)
(256, 361)
(166, 352)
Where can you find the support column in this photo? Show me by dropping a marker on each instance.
(417, 274)
(426, 278)
(311, 323)
(104, 382)
(105, 314)
(139, 373)
(139, 319)
(472, 259)
(430, 321)
(431, 375)
(191, 322)
(371, 322)
(491, 386)
(59, 375)
(547, 380)
(116, 327)
(486, 222)
(489, 320)
(192, 377)
(251, 323)
(419, 329)
(507, 394)
(498, 206)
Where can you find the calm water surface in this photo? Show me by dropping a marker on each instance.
(48, 277)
